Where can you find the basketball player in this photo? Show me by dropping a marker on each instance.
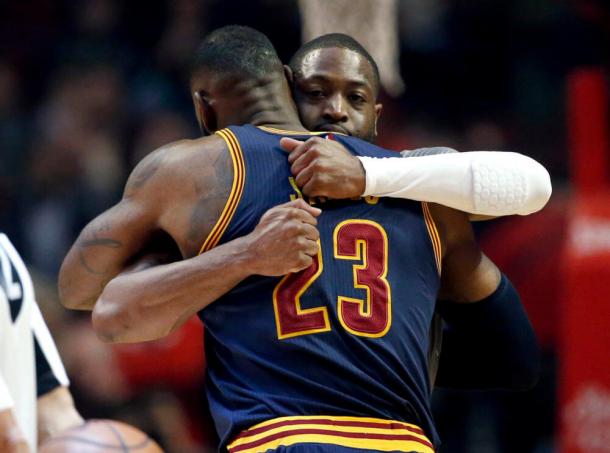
(336, 83)
(278, 346)
(34, 399)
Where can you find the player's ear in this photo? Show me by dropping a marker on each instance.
(378, 108)
(289, 75)
(206, 115)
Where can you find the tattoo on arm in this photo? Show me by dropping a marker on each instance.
(98, 235)
(213, 196)
(85, 244)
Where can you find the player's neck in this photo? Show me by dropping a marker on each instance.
(265, 102)
(274, 107)
(278, 120)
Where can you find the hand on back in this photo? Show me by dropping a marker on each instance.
(324, 168)
(285, 239)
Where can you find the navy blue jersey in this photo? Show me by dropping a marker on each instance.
(347, 336)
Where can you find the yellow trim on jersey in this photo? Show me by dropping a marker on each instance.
(434, 237)
(365, 444)
(329, 430)
(237, 188)
(274, 130)
(339, 418)
(294, 186)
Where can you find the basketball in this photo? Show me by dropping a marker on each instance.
(101, 436)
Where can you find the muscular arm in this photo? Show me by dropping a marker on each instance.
(152, 300)
(150, 303)
(481, 183)
(489, 342)
(477, 182)
(108, 243)
(171, 200)
(470, 279)
(177, 192)
(467, 274)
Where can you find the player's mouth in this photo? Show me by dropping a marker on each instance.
(330, 127)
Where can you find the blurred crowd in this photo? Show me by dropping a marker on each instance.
(88, 87)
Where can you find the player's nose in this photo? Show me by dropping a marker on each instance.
(334, 110)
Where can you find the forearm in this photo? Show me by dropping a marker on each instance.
(488, 344)
(94, 259)
(105, 247)
(79, 287)
(56, 413)
(150, 303)
(477, 182)
(12, 439)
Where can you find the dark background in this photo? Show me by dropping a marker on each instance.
(88, 87)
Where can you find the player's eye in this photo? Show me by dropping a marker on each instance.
(315, 94)
(356, 98)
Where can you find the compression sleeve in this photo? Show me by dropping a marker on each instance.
(6, 401)
(488, 344)
(50, 372)
(476, 182)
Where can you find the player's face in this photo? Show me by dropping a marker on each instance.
(334, 91)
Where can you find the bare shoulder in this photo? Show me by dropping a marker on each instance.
(174, 162)
(189, 183)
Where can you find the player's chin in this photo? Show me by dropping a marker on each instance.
(328, 127)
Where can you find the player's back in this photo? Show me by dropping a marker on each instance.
(347, 336)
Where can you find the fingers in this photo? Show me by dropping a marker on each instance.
(310, 232)
(301, 204)
(303, 178)
(312, 188)
(289, 144)
(300, 215)
(297, 211)
(310, 248)
(300, 149)
(303, 263)
(302, 162)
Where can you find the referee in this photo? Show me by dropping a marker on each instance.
(34, 398)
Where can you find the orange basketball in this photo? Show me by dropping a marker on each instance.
(101, 436)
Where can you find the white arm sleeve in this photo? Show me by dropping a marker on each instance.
(476, 182)
(6, 401)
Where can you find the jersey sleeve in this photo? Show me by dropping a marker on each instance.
(50, 371)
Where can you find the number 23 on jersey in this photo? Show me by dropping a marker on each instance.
(366, 243)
